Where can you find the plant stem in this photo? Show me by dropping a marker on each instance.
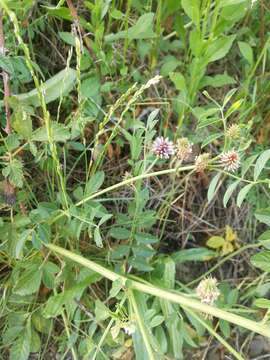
(141, 324)
(175, 297)
(134, 179)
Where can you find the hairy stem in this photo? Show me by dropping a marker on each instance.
(175, 297)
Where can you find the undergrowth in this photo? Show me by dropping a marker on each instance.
(134, 179)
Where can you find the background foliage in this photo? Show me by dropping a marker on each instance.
(87, 88)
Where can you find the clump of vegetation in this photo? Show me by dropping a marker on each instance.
(134, 179)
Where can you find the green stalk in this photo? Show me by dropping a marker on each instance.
(134, 179)
(141, 324)
(124, 183)
(175, 297)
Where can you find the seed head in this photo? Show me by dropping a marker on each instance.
(201, 162)
(163, 148)
(233, 131)
(207, 291)
(230, 160)
(183, 148)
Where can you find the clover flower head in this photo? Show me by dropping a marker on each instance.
(183, 148)
(233, 131)
(201, 162)
(163, 148)
(230, 160)
(207, 291)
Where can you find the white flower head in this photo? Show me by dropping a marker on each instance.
(230, 160)
(207, 291)
(183, 148)
(201, 162)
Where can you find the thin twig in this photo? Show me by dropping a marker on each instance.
(5, 77)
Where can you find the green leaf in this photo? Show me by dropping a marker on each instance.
(260, 163)
(170, 63)
(229, 192)
(192, 9)
(247, 164)
(12, 142)
(57, 86)
(212, 187)
(22, 123)
(215, 242)
(117, 286)
(29, 281)
(162, 339)
(41, 324)
(219, 48)
(59, 133)
(144, 238)
(35, 342)
(48, 276)
(21, 241)
(242, 194)
(60, 12)
(197, 254)
(90, 88)
(178, 80)
(143, 29)
(217, 81)
(44, 233)
(94, 183)
(6, 64)
(264, 239)
(14, 172)
(101, 311)
(54, 305)
(169, 273)
(156, 321)
(120, 252)
(140, 264)
(262, 303)
(20, 349)
(195, 42)
(224, 3)
(261, 260)
(117, 14)
(246, 51)
(225, 328)
(98, 238)
(67, 37)
(263, 215)
(119, 233)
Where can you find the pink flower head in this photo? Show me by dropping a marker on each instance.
(163, 148)
(230, 160)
